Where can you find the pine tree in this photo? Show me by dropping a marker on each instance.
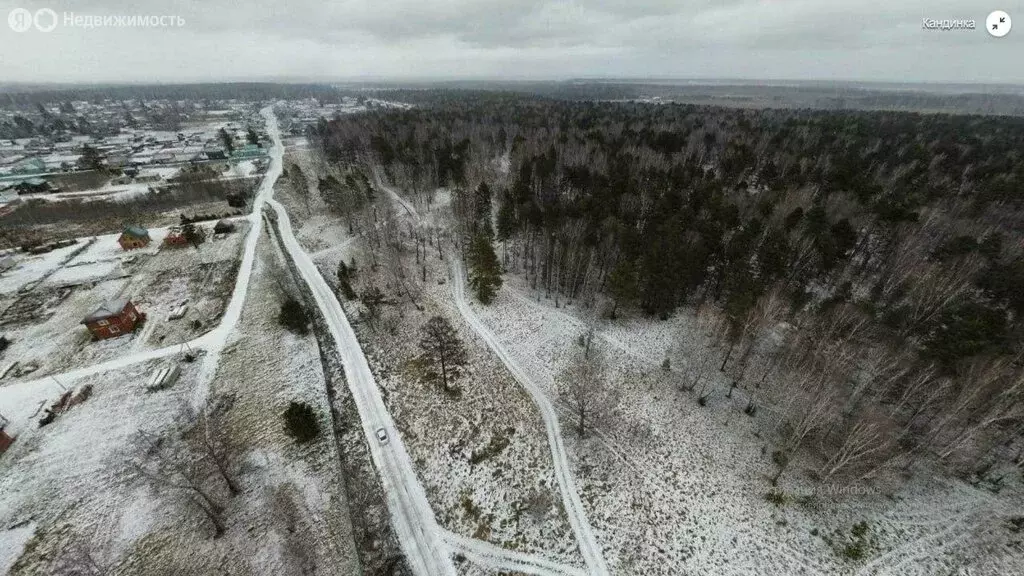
(91, 159)
(300, 422)
(482, 209)
(194, 235)
(226, 140)
(345, 281)
(484, 269)
(441, 345)
(293, 316)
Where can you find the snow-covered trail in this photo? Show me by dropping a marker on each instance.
(214, 340)
(412, 517)
(585, 536)
(498, 558)
(219, 335)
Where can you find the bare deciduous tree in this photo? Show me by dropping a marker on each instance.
(583, 387)
(167, 462)
(862, 440)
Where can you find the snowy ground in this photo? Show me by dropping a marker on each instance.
(72, 479)
(73, 482)
(482, 457)
(44, 324)
(672, 486)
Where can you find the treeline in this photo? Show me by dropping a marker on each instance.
(904, 226)
(15, 96)
(37, 219)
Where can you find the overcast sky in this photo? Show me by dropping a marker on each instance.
(517, 39)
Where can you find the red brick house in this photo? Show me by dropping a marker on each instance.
(113, 319)
(134, 237)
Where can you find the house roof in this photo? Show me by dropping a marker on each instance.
(137, 231)
(108, 309)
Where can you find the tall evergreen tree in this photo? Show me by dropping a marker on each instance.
(484, 269)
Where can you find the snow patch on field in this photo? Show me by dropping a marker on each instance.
(673, 487)
(12, 542)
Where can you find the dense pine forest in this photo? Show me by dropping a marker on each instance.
(863, 272)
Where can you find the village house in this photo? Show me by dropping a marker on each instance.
(248, 151)
(215, 153)
(134, 237)
(113, 319)
(175, 238)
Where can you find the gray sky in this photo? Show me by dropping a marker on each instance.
(449, 39)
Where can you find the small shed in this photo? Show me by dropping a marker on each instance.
(175, 238)
(113, 318)
(134, 237)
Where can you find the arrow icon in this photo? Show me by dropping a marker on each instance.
(998, 23)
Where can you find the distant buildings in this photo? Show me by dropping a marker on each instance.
(248, 151)
(33, 186)
(139, 142)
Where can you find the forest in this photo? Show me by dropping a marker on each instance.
(863, 272)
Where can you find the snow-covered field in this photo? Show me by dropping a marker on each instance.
(482, 456)
(32, 268)
(44, 324)
(674, 487)
(73, 479)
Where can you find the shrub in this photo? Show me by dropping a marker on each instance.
(293, 317)
(858, 548)
(345, 274)
(4, 343)
(300, 422)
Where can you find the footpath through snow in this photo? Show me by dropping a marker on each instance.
(589, 547)
(426, 545)
(486, 555)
